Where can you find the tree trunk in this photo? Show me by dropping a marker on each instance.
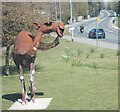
(7, 56)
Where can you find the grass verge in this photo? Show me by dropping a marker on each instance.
(76, 76)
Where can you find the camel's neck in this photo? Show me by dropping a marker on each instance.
(36, 41)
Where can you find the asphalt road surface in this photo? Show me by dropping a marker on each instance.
(111, 40)
(105, 23)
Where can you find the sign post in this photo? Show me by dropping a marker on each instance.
(98, 20)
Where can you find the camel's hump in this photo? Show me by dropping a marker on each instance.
(23, 42)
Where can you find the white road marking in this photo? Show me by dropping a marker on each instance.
(108, 30)
(103, 19)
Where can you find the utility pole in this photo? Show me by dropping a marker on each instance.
(55, 11)
(95, 9)
(60, 9)
(76, 10)
(71, 20)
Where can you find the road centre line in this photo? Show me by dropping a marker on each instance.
(103, 19)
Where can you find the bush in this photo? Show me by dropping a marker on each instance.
(102, 55)
(118, 53)
(92, 50)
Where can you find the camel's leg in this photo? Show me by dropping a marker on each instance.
(32, 87)
(24, 101)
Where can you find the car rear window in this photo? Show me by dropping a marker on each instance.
(101, 30)
(93, 30)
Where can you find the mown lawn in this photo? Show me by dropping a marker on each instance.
(118, 22)
(76, 76)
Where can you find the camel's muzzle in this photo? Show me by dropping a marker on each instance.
(60, 31)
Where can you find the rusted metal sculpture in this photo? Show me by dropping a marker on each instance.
(25, 49)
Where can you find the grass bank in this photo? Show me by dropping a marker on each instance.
(117, 22)
(76, 76)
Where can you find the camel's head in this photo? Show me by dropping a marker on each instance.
(50, 26)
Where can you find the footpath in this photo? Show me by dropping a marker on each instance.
(115, 25)
(92, 42)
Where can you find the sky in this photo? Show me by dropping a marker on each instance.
(111, 0)
(106, 0)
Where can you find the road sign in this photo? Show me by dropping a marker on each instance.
(72, 28)
(98, 19)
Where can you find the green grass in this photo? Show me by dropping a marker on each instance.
(117, 22)
(81, 83)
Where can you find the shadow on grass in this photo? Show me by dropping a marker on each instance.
(15, 96)
(12, 97)
(14, 71)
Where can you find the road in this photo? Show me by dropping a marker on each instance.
(111, 41)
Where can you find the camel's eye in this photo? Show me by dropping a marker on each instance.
(48, 23)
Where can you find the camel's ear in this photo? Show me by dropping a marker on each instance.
(36, 26)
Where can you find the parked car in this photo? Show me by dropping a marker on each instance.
(100, 33)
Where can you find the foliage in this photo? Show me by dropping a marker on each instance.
(15, 17)
(95, 7)
(102, 55)
(118, 53)
(114, 5)
(91, 58)
(10, 30)
(80, 9)
(92, 50)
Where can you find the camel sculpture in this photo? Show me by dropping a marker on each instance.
(25, 49)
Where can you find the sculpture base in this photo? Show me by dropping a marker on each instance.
(40, 104)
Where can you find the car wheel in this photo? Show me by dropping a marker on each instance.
(89, 36)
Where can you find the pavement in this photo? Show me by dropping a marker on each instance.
(92, 42)
(114, 25)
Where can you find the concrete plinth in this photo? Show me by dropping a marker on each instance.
(40, 104)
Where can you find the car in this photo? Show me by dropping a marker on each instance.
(100, 33)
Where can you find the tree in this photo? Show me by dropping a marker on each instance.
(17, 16)
(113, 5)
(95, 7)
